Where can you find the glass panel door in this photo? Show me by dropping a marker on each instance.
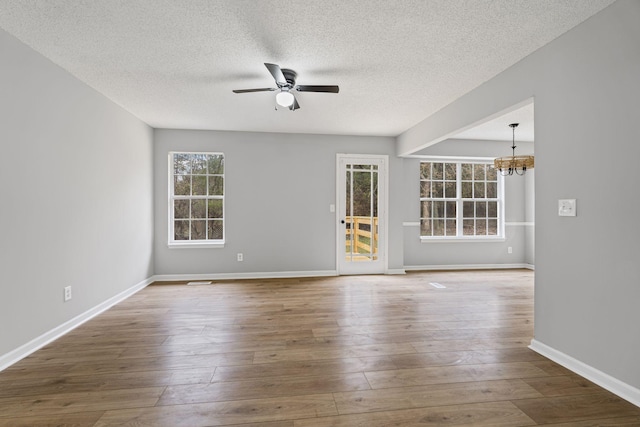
(359, 214)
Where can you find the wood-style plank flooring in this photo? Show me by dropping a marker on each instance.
(371, 351)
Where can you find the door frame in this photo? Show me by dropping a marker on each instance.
(382, 265)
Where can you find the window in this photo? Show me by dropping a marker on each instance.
(196, 193)
(460, 200)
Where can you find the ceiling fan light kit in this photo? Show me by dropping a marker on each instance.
(286, 83)
(513, 164)
(285, 98)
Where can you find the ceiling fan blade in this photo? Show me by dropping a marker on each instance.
(317, 88)
(276, 72)
(264, 89)
(295, 105)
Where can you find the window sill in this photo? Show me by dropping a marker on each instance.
(462, 240)
(196, 245)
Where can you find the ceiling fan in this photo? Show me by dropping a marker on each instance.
(286, 82)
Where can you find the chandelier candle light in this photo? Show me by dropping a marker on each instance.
(513, 164)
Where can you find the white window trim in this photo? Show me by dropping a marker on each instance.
(192, 244)
(197, 244)
(464, 239)
(501, 237)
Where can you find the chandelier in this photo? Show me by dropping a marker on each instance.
(513, 164)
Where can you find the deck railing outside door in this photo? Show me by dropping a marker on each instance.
(363, 231)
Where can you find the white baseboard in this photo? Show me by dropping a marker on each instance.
(263, 275)
(241, 276)
(605, 381)
(23, 351)
(467, 267)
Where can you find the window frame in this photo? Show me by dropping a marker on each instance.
(209, 243)
(459, 200)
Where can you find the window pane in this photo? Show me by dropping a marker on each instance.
(492, 174)
(425, 209)
(437, 171)
(199, 164)
(481, 227)
(348, 194)
(362, 193)
(438, 227)
(451, 227)
(198, 230)
(467, 190)
(467, 171)
(492, 190)
(451, 209)
(199, 185)
(374, 189)
(481, 209)
(478, 172)
(425, 170)
(468, 228)
(214, 229)
(425, 227)
(450, 171)
(492, 209)
(438, 209)
(425, 188)
(181, 230)
(492, 227)
(478, 190)
(198, 209)
(468, 210)
(438, 190)
(216, 186)
(214, 208)
(182, 185)
(450, 189)
(216, 164)
(348, 236)
(181, 164)
(181, 209)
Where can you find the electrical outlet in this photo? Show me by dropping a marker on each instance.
(510, 250)
(67, 293)
(567, 207)
(240, 257)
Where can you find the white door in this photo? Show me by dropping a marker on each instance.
(361, 213)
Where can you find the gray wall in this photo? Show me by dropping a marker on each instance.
(76, 196)
(278, 191)
(586, 86)
(461, 254)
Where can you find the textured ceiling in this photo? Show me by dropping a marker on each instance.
(173, 63)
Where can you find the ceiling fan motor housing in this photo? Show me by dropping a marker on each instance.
(290, 77)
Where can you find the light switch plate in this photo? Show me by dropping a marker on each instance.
(567, 207)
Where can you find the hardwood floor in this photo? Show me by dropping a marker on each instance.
(340, 351)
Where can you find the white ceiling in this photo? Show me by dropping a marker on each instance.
(498, 129)
(173, 63)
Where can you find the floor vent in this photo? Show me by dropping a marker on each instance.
(437, 285)
(198, 283)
